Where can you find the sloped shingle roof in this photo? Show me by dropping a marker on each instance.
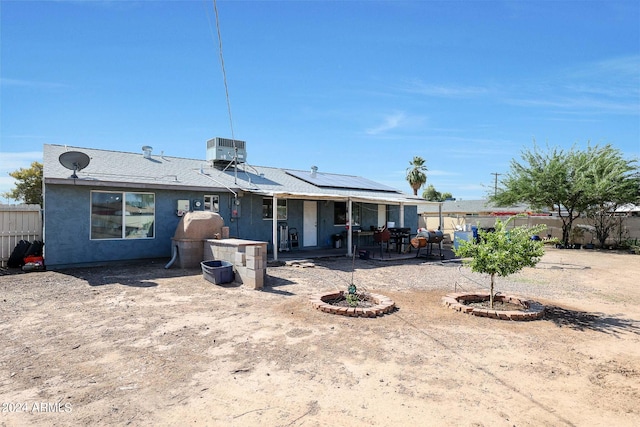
(134, 170)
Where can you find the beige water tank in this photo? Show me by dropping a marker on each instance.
(199, 225)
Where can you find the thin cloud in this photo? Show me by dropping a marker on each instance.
(610, 85)
(14, 161)
(606, 91)
(10, 162)
(473, 187)
(616, 68)
(30, 84)
(6, 182)
(6, 185)
(444, 91)
(392, 122)
(579, 104)
(437, 172)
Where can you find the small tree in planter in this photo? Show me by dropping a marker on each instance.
(502, 252)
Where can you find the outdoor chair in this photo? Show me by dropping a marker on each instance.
(382, 237)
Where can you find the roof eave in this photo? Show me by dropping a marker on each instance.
(136, 185)
(339, 197)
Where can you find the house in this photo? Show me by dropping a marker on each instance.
(124, 206)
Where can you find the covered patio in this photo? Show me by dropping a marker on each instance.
(373, 253)
(353, 236)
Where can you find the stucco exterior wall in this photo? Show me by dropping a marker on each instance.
(251, 225)
(67, 223)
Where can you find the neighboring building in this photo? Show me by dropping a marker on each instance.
(454, 215)
(628, 210)
(461, 209)
(126, 206)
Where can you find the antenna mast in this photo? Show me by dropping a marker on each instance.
(226, 91)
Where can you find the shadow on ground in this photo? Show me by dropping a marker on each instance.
(273, 283)
(344, 264)
(139, 275)
(583, 320)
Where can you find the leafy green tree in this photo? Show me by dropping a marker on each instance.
(502, 252)
(614, 181)
(29, 185)
(416, 174)
(561, 181)
(433, 195)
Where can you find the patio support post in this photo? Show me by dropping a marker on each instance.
(401, 215)
(274, 231)
(350, 230)
(440, 224)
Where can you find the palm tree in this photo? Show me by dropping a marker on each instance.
(416, 174)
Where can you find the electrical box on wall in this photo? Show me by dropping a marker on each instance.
(182, 208)
(235, 208)
(197, 205)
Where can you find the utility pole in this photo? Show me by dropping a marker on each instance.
(495, 185)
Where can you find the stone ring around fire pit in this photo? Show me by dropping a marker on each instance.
(380, 305)
(531, 310)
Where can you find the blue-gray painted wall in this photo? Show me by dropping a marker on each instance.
(67, 221)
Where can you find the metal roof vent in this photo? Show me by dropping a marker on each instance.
(314, 171)
(146, 150)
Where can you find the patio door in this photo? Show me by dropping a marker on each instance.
(310, 224)
(382, 215)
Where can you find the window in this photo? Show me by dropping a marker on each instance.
(340, 213)
(118, 215)
(212, 203)
(267, 208)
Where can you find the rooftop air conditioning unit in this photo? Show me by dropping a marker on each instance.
(223, 150)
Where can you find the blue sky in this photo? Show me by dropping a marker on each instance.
(356, 88)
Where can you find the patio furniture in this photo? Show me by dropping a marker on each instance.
(398, 236)
(382, 237)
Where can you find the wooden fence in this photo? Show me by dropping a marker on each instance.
(18, 222)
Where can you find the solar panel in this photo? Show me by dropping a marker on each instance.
(326, 180)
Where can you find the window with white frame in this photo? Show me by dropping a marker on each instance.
(212, 203)
(122, 215)
(267, 208)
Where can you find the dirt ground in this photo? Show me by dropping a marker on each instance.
(141, 345)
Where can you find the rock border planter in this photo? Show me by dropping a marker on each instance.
(383, 305)
(532, 310)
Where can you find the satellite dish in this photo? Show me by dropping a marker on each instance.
(75, 161)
